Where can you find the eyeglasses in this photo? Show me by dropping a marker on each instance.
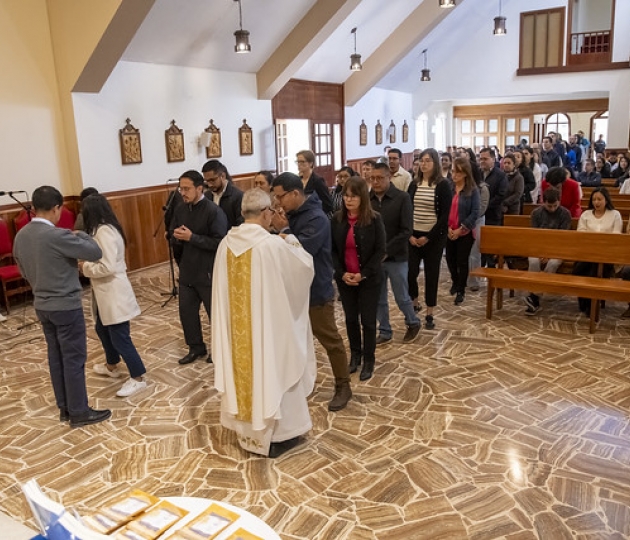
(349, 196)
(281, 196)
(300, 162)
(213, 179)
(186, 188)
(374, 178)
(269, 208)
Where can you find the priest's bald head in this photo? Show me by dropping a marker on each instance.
(256, 207)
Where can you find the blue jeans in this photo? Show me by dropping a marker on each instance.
(397, 274)
(116, 340)
(65, 336)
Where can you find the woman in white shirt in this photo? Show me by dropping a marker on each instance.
(601, 217)
(113, 300)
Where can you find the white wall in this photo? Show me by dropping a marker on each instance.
(381, 105)
(486, 72)
(153, 95)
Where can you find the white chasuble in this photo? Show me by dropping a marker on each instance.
(262, 344)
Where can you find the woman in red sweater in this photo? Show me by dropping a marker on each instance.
(570, 192)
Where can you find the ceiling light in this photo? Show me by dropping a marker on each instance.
(242, 36)
(426, 72)
(447, 3)
(499, 24)
(355, 59)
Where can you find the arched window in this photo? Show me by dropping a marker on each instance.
(560, 123)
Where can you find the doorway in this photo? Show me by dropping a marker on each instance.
(310, 116)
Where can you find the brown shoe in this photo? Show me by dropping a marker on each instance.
(341, 397)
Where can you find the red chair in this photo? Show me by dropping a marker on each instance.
(22, 219)
(10, 278)
(66, 221)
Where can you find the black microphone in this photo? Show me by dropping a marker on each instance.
(9, 193)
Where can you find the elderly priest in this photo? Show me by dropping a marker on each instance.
(262, 342)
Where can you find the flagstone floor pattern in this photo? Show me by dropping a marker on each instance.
(514, 428)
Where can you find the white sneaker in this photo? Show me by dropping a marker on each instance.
(131, 387)
(101, 369)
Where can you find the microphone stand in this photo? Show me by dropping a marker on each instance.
(166, 208)
(26, 207)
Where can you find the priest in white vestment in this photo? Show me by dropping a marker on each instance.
(262, 344)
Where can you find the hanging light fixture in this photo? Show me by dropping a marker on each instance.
(499, 24)
(242, 36)
(447, 3)
(355, 59)
(426, 72)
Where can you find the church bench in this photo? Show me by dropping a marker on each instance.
(598, 248)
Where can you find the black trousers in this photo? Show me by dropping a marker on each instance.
(431, 256)
(190, 299)
(590, 269)
(359, 306)
(457, 254)
(67, 351)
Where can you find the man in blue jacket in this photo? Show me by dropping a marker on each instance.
(307, 221)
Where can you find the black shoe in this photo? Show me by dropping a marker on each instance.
(191, 357)
(459, 299)
(209, 359)
(90, 417)
(64, 415)
(417, 308)
(429, 324)
(412, 333)
(355, 362)
(380, 340)
(532, 301)
(276, 449)
(453, 289)
(366, 371)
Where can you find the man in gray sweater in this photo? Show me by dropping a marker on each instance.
(47, 257)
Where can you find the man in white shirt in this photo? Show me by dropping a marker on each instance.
(399, 176)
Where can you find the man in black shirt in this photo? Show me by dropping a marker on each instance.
(395, 209)
(197, 228)
(223, 191)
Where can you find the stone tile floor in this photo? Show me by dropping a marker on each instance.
(514, 428)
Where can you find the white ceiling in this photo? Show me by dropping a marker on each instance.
(199, 33)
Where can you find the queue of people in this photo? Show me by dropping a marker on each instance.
(274, 253)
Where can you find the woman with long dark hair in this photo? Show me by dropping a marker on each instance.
(431, 200)
(113, 300)
(601, 216)
(358, 248)
(461, 226)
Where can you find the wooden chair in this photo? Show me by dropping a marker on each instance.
(10, 278)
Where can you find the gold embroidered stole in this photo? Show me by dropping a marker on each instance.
(239, 288)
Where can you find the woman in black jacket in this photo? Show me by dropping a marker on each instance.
(431, 200)
(358, 249)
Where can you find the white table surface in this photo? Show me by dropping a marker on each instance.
(249, 522)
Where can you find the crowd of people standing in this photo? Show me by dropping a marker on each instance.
(376, 228)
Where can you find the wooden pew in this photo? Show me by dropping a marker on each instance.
(598, 248)
(526, 221)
